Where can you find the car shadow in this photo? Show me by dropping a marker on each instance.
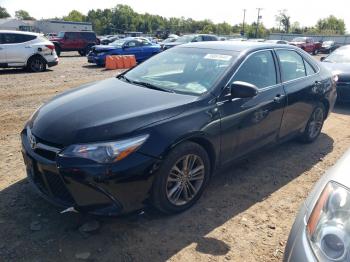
(147, 235)
(342, 108)
(13, 71)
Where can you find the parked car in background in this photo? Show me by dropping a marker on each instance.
(307, 44)
(280, 42)
(24, 49)
(239, 39)
(50, 35)
(256, 40)
(190, 38)
(328, 47)
(109, 39)
(75, 41)
(339, 63)
(156, 133)
(168, 40)
(321, 229)
(140, 47)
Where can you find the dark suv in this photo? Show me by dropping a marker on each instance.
(75, 41)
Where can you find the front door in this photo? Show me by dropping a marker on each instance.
(250, 123)
(133, 47)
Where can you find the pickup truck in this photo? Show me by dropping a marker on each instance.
(307, 44)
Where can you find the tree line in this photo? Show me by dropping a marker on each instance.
(123, 18)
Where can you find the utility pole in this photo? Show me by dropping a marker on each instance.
(242, 33)
(257, 23)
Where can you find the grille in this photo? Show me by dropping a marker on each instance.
(46, 154)
(51, 184)
(58, 188)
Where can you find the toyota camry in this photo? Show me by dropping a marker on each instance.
(156, 134)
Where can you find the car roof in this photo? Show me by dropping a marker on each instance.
(18, 32)
(237, 46)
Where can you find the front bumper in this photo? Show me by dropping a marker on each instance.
(93, 188)
(343, 90)
(94, 59)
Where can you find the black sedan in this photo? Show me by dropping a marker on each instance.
(339, 63)
(157, 133)
(328, 47)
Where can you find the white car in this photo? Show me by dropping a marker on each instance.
(25, 49)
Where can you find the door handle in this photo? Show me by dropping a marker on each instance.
(28, 46)
(278, 98)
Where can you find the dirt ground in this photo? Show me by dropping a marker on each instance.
(244, 215)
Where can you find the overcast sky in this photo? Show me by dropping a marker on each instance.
(306, 12)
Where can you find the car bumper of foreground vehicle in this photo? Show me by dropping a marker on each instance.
(96, 189)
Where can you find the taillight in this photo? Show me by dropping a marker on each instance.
(51, 47)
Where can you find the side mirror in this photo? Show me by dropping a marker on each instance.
(241, 89)
(322, 58)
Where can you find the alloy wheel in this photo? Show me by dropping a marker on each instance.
(185, 179)
(316, 123)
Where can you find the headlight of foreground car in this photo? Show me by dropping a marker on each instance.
(108, 152)
(329, 224)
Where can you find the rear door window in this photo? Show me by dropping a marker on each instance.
(17, 38)
(292, 65)
(259, 69)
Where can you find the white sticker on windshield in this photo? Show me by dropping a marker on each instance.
(218, 57)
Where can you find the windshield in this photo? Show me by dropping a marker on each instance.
(299, 39)
(60, 35)
(185, 39)
(183, 70)
(118, 43)
(341, 55)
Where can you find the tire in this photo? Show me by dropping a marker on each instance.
(314, 125)
(315, 52)
(58, 50)
(82, 52)
(36, 64)
(174, 189)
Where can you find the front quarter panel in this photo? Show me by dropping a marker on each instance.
(201, 120)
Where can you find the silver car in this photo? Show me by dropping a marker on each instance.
(321, 231)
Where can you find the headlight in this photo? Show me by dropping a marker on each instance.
(107, 152)
(329, 224)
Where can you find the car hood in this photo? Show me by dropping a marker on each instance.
(338, 173)
(103, 111)
(340, 69)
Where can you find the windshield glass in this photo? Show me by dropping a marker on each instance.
(184, 70)
(341, 55)
(60, 35)
(299, 39)
(118, 43)
(185, 39)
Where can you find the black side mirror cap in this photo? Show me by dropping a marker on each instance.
(241, 89)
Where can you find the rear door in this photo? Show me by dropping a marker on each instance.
(300, 79)
(18, 47)
(250, 123)
(71, 41)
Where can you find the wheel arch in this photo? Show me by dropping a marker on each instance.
(326, 105)
(202, 140)
(35, 55)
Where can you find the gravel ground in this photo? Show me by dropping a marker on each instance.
(244, 215)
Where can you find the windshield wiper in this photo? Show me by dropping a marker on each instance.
(122, 76)
(150, 86)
